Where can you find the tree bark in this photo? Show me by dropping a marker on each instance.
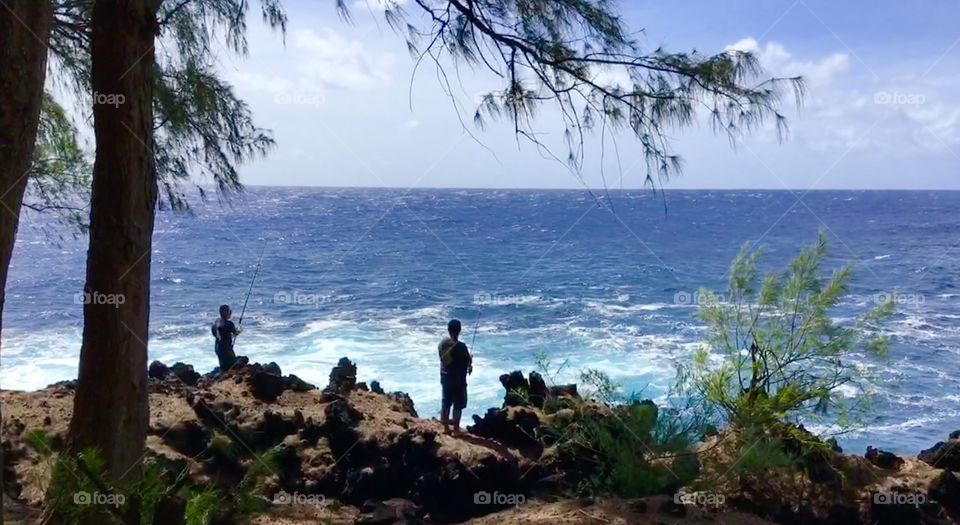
(24, 35)
(110, 410)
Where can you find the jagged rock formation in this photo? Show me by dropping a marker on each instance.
(370, 459)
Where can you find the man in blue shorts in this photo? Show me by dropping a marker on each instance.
(455, 364)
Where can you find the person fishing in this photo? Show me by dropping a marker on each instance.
(455, 364)
(225, 331)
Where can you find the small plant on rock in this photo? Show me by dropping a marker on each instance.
(611, 444)
(775, 358)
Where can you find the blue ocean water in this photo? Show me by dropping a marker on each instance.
(374, 274)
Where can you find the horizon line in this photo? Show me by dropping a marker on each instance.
(595, 190)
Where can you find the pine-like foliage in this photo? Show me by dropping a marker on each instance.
(775, 354)
(60, 175)
(579, 57)
(203, 130)
(76, 488)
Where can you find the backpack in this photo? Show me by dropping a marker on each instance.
(447, 355)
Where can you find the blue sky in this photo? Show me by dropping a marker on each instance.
(882, 112)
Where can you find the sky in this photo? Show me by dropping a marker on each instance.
(882, 109)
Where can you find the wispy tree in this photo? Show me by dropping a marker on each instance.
(198, 128)
(203, 131)
(578, 57)
(60, 173)
(24, 27)
(169, 115)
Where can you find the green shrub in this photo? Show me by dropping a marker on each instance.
(77, 479)
(775, 355)
(617, 445)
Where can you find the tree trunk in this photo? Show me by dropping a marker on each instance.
(24, 34)
(110, 411)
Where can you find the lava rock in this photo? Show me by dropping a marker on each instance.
(359, 484)
(945, 455)
(292, 382)
(158, 370)
(187, 437)
(538, 390)
(211, 415)
(517, 387)
(391, 511)
(512, 426)
(343, 377)
(834, 445)
(311, 432)
(883, 459)
(405, 402)
(339, 413)
(564, 390)
(289, 469)
(270, 429)
(340, 420)
(265, 386)
(945, 490)
(9, 475)
(185, 373)
(272, 368)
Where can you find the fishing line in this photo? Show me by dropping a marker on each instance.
(250, 290)
(476, 326)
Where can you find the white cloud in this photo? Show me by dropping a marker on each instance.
(897, 115)
(314, 66)
(261, 83)
(330, 59)
(777, 61)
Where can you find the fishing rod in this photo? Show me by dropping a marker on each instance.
(250, 290)
(475, 327)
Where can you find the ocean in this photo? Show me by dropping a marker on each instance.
(374, 275)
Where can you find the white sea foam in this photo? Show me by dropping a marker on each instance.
(321, 326)
(618, 310)
(399, 350)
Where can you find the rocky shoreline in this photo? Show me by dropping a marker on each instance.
(353, 453)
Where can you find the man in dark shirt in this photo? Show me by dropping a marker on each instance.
(224, 332)
(455, 364)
